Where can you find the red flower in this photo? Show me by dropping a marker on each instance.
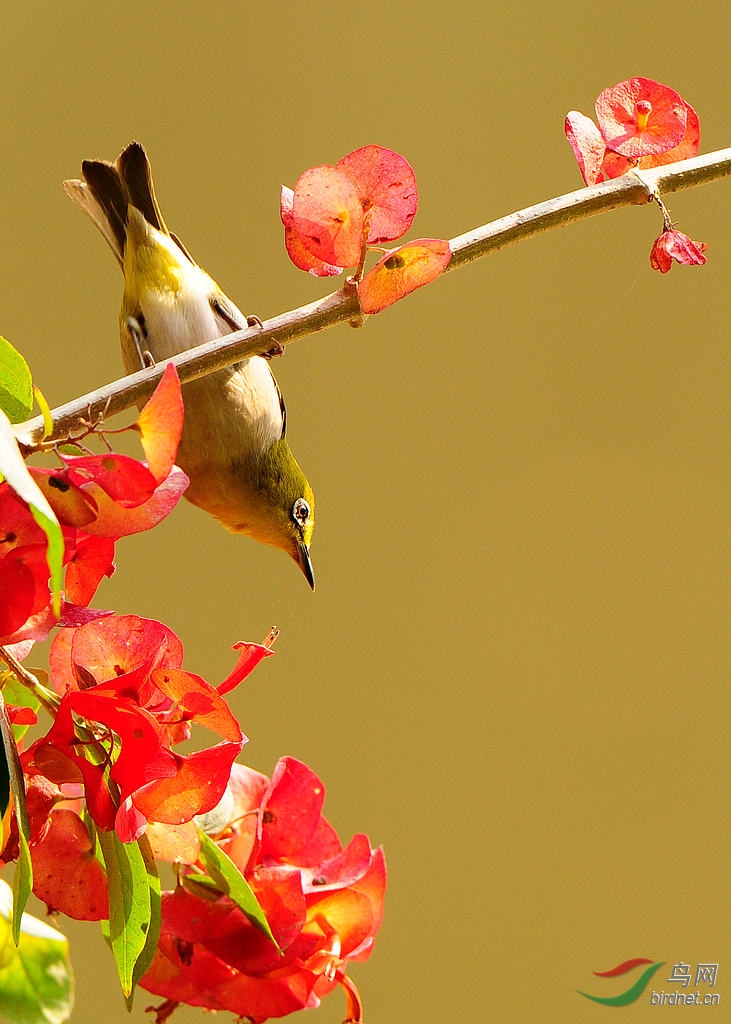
(641, 123)
(674, 245)
(324, 905)
(122, 674)
(25, 601)
(66, 874)
(640, 117)
(97, 499)
(335, 214)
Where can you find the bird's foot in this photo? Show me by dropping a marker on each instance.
(137, 332)
(277, 349)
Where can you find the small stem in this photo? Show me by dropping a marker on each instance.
(48, 698)
(654, 194)
(272, 637)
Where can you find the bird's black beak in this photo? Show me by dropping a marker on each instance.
(305, 563)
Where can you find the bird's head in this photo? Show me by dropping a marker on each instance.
(281, 510)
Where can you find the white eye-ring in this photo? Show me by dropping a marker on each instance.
(301, 511)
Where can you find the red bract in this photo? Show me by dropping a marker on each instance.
(641, 124)
(92, 559)
(324, 905)
(113, 520)
(369, 196)
(296, 248)
(386, 185)
(125, 480)
(327, 214)
(25, 602)
(122, 675)
(686, 148)
(335, 214)
(674, 245)
(66, 874)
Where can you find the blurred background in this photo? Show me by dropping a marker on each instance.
(513, 672)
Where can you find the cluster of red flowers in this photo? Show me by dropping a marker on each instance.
(335, 214)
(97, 499)
(124, 674)
(111, 762)
(123, 677)
(639, 124)
(324, 905)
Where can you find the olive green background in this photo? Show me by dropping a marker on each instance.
(513, 672)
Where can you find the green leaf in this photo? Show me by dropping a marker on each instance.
(153, 932)
(130, 906)
(45, 412)
(22, 883)
(16, 473)
(23, 874)
(16, 384)
(36, 981)
(4, 759)
(10, 762)
(16, 693)
(232, 883)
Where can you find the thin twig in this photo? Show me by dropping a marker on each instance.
(47, 698)
(342, 306)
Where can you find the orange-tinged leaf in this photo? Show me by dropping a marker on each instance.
(328, 215)
(72, 506)
(402, 271)
(296, 248)
(386, 184)
(161, 423)
(641, 117)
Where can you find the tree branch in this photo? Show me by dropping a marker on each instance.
(338, 307)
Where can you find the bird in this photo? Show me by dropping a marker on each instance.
(233, 448)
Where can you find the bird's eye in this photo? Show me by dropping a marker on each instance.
(301, 511)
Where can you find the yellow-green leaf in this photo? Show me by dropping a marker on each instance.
(36, 981)
(16, 384)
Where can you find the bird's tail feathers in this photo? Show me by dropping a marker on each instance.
(109, 189)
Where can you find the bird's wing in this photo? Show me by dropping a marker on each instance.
(231, 317)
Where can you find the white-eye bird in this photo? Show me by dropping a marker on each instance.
(233, 449)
